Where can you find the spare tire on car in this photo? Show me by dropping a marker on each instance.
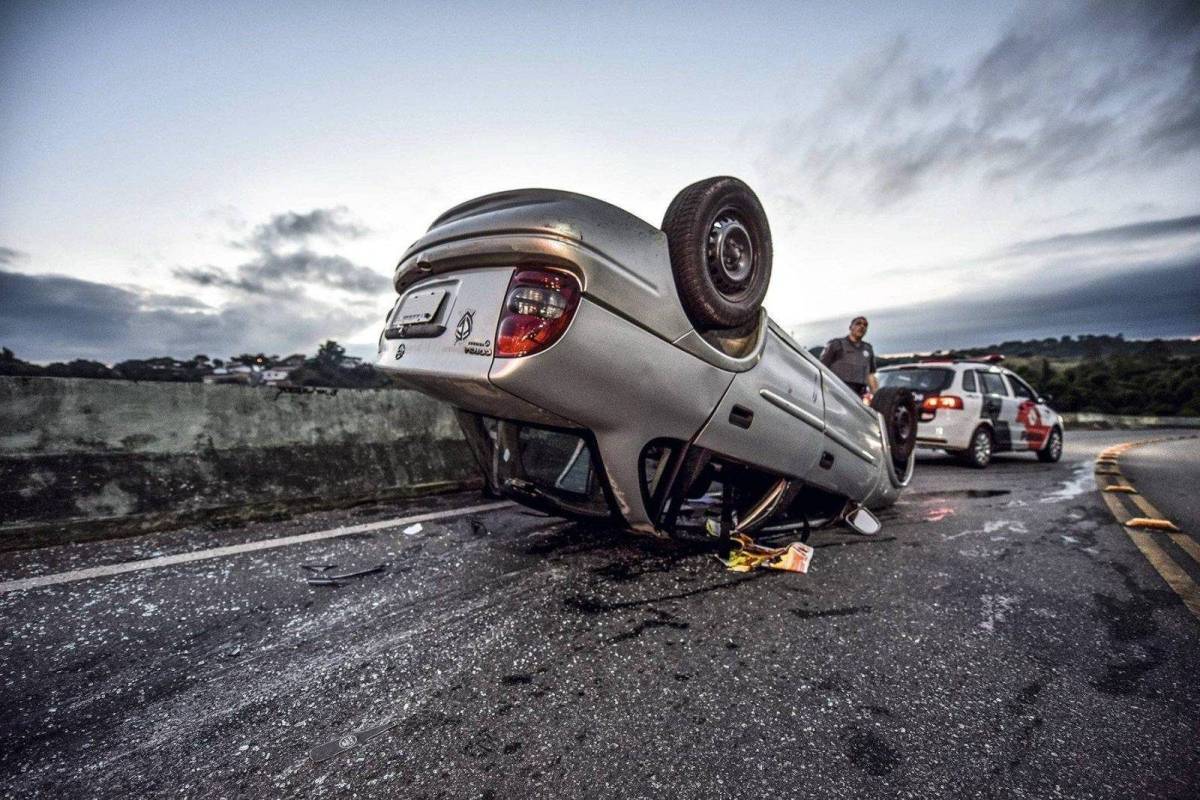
(720, 246)
(898, 408)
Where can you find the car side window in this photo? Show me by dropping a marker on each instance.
(1021, 389)
(993, 383)
(969, 381)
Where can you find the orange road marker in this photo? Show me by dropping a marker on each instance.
(1149, 522)
(1138, 528)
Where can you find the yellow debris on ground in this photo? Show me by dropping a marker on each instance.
(750, 555)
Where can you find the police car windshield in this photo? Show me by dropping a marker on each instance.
(919, 379)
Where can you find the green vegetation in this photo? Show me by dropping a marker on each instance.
(1118, 384)
(1105, 374)
(329, 368)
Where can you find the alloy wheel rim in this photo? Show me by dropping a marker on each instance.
(983, 448)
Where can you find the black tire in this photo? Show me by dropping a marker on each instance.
(1052, 450)
(899, 410)
(979, 453)
(720, 245)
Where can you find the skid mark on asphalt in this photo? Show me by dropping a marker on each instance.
(247, 547)
(996, 608)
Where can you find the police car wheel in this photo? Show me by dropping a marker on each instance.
(720, 247)
(979, 454)
(1052, 451)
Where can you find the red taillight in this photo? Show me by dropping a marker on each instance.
(537, 309)
(934, 402)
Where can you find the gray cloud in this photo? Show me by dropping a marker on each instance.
(1066, 90)
(10, 256)
(54, 317)
(284, 261)
(1150, 301)
(278, 273)
(290, 227)
(1120, 234)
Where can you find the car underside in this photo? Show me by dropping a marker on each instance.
(605, 368)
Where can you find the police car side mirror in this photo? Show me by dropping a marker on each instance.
(1046, 398)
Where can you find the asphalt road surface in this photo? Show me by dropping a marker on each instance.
(1166, 473)
(1001, 637)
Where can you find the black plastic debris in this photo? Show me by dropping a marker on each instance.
(323, 752)
(321, 574)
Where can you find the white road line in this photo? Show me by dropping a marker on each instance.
(248, 547)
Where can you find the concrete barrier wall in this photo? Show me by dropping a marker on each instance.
(82, 456)
(1090, 420)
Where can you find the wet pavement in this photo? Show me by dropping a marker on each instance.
(1001, 637)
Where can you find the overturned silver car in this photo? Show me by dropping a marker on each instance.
(602, 367)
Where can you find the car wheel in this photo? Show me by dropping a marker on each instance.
(898, 408)
(720, 246)
(979, 454)
(1052, 451)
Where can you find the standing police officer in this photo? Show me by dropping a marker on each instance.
(852, 359)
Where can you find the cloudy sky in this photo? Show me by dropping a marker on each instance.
(222, 177)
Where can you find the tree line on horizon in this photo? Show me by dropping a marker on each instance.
(328, 368)
(1104, 374)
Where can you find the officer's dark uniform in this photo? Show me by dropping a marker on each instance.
(849, 361)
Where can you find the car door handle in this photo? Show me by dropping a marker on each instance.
(741, 416)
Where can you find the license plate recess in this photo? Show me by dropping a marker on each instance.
(420, 307)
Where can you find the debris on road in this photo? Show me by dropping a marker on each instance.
(412, 530)
(324, 752)
(321, 576)
(795, 557)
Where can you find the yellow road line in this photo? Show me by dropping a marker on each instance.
(1187, 544)
(1145, 505)
(1116, 507)
(1175, 577)
(1170, 571)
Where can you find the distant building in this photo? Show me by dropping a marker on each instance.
(294, 361)
(239, 374)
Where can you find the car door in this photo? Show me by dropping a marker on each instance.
(999, 407)
(1032, 426)
(773, 414)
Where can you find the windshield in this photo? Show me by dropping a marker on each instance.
(919, 379)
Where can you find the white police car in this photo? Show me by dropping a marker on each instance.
(973, 409)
